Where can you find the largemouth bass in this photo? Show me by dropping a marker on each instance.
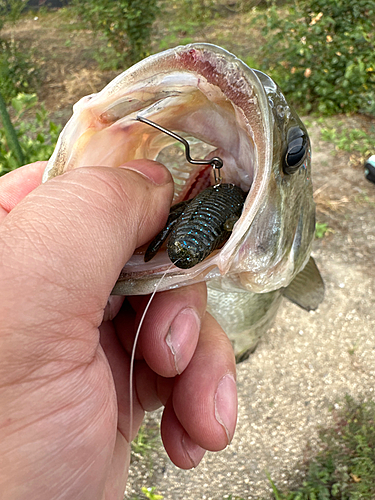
(201, 91)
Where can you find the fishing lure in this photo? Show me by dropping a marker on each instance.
(197, 227)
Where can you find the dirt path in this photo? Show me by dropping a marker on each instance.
(304, 365)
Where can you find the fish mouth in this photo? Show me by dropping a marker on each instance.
(206, 95)
(211, 125)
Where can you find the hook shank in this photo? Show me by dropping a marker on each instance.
(215, 162)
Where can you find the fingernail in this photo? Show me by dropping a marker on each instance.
(226, 405)
(182, 337)
(112, 308)
(152, 170)
(194, 452)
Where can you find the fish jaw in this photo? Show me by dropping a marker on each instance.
(205, 92)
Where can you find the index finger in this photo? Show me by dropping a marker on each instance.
(17, 184)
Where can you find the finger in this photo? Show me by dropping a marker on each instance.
(63, 246)
(17, 184)
(113, 306)
(153, 391)
(170, 330)
(205, 396)
(181, 449)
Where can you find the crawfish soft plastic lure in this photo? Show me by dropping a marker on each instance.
(197, 227)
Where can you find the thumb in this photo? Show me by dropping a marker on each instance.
(63, 246)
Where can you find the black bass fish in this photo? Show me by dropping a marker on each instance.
(201, 91)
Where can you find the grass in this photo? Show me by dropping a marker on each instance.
(344, 469)
(149, 494)
(143, 447)
(145, 442)
(321, 229)
(358, 142)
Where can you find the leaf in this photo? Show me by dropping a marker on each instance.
(149, 493)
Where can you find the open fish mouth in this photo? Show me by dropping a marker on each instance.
(204, 94)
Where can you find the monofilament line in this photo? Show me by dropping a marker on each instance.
(134, 348)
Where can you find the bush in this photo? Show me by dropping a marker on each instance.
(196, 11)
(17, 73)
(11, 10)
(323, 54)
(36, 134)
(126, 24)
(183, 19)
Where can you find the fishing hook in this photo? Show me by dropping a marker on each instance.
(215, 162)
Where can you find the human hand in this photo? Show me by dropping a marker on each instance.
(64, 353)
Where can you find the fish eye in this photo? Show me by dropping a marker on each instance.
(296, 150)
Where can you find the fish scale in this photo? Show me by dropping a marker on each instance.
(201, 227)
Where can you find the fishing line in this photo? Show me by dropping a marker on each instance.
(132, 357)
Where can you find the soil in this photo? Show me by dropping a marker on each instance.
(307, 362)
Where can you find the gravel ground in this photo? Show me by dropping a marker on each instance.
(303, 366)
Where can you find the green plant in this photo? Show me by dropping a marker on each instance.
(200, 11)
(36, 134)
(11, 10)
(345, 468)
(107, 57)
(353, 140)
(184, 20)
(150, 493)
(10, 134)
(17, 71)
(145, 441)
(126, 25)
(321, 229)
(323, 54)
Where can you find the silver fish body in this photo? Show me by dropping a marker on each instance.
(202, 91)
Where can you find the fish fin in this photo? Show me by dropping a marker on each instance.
(307, 288)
